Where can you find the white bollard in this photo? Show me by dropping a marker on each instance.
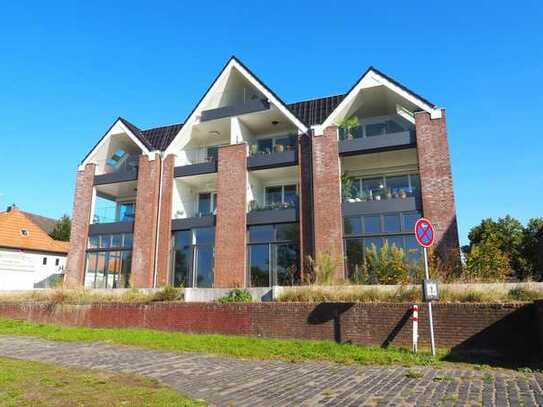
(415, 319)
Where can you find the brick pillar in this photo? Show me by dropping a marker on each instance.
(75, 263)
(145, 225)
(327, 199)
(165, 222)
(305, 206)
(436, 181)
(231, 228)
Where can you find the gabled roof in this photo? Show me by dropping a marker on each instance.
(315, 111)
(36, 239)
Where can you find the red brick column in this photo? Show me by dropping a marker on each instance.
(305, 169)
(231, 228)
(165, 221)
(75, 263)
(327, 198)
(436, 181)
(145, 225)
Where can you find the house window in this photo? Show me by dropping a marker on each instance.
(24, 232)
(57, 262)
(207, 203)
(44, 261)
(383, 187)
(274, 144)
(109, 259)
(362, 232)
(273, 254)
(193, 257)
(280, 196)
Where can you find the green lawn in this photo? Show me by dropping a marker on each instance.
(34, 384)
(236, 346)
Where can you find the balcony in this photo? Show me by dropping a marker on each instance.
(273, 152)
(200, 221)
(113, 219)
(279, 213)
(201, 160)
(121, 170)
(383, 142)
(236, 109)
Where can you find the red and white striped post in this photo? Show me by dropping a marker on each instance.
(415, 319)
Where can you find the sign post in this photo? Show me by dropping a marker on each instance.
(424, 232)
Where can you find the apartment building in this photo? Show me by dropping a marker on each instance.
(248, 187)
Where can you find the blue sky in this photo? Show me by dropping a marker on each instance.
(68, 69)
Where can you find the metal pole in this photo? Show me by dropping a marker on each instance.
(429, 305)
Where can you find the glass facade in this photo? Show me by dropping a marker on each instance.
(193, 257)
(109, 259)
(361, 232)
(273, 255)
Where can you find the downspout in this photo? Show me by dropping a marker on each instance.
(157, 238)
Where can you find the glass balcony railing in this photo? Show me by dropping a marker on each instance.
(113, 214)
(377, 188)
(278, 144)
(201, 155)
(126, 163)
(256, 207)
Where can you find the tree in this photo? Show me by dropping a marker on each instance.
(62, 229)
(532, 248)
(507, 234)
(487, 262)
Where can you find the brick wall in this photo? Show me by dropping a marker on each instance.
(231, 227)
(327, 197)
(165, 221)
(305, 169)
(436, 180)
(505, 330)
(75, 263)
(145, 224)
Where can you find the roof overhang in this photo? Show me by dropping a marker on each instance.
(373, 78)
(233, 63)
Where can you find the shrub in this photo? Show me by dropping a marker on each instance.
(322, 270)
(524, 294)
(487, 262)
(387, 265)
(168, 293)
(236, 295)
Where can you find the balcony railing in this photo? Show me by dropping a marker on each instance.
(201, 155)
(113, 214)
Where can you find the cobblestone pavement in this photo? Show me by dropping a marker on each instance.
(234, 382)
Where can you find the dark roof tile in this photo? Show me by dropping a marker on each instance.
(161, 137)
(315, 111)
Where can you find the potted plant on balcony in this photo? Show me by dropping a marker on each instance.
(403, 194)
(253, 149)
(348, 124)
(279, 148)
(347, 188)
(388, 193)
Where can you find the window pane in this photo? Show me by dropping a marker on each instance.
(212, 153)
(372, 224)
(264, 146)
(413, 249)
(286, 264)
(214, 200)
(125, 270)
(395, 241)
(376, 129)
(415, 185)
(204, 267)
(127, 243)
(287, 231)
(116, 240)
(352, 226)
(398, 184)
(288, 142)
(182, 258)
(259, 234)
(259, 265)
(354, 252)
(105, 241)
(373, 187)
(113, 270)
(392, 223)
(100, 270)
(94, 241)
(377, 241)
(291, 196)
(204, 203)
(273, 195)
(127, 212)
(204, 235)
(393, 127)
(409, 220)
(90, 274)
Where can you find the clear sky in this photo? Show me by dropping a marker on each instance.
(68, 69)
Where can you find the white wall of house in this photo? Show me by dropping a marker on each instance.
(21, 270)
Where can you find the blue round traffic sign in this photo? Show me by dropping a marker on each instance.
(424, 232)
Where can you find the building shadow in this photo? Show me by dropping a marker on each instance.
(326, 312)
(397, 328)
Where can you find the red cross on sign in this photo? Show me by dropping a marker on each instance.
(424, 232)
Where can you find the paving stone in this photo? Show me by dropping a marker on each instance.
(226, 381)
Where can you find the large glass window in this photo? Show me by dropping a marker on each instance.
(274, 144)
(281, 196)
(363, 232)
(207, 203)
(375, 128)
(193, 257)
(109, 259)
(382, 187)
(273, 254)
